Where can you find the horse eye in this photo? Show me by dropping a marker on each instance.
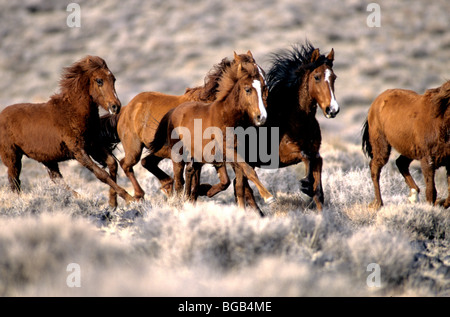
(248, 89)
(99, 82)
(317, 78)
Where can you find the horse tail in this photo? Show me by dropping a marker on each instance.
(366, 146)
(108, 130)
(160, 138)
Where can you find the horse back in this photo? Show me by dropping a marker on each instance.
(144, 112)
(403, 119)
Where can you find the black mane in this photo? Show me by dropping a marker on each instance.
(288, 69)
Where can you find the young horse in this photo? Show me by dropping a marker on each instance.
(418, 127)
(298, 81)
(239, 99)
(137, 122)
(66, 127)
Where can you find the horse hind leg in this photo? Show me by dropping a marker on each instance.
(428, 170)
(381, 151)
(150, 163)
(13, 162)
(446, 203)
(403, 163)
(131, 159)
(57, 178)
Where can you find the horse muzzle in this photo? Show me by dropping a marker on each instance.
(259, 120)
(114, 108)
(331, 112)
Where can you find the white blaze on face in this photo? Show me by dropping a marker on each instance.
(262, 74)
(257, 85)
(334, 106)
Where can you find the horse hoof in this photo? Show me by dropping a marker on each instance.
(270, 200)
(413, 196)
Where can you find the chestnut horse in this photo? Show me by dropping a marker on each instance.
(418, 127)
(299, 80)
(239, 99)
(137, 122)
(66, 127)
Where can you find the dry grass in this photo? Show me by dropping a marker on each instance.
(166, 248)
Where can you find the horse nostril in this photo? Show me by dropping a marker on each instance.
(260, 120)
(115, 108)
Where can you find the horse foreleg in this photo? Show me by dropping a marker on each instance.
(150, 163)
(178, 168)
(428, 171)
(210, 191)
(131, 158)
(316, 167)
(57, 178)
(84, 159)
(249, 198)
(112, 167)
(403, 163)
(239, 188)
(250, 173)
(447, 201)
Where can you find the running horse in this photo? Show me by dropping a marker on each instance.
(239, 99)
(137, 122)
(65, 127)
(418, 127)
(299, 81)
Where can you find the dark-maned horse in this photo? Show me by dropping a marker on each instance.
(239, 99)
(299, 80)
(66, 127)
(138, 120)
(418, 127)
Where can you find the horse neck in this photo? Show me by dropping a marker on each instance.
(79, 107)
(293, 107)
(228, 109)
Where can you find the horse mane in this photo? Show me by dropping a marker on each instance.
(288, 70)
(440, 98)
(231, 76)
(108, 130)
(75, 78)
(210, 88)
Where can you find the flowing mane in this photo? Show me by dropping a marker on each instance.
(75, 78)
(210, 88)
(287, 73)
(230, 76)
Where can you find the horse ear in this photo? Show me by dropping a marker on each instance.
(330, 56)
(250, 54)
(239, 70)
(237, 58)
(315, 55)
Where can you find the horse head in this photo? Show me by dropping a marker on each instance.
(101, 84)
(252, 89)
(321, 83)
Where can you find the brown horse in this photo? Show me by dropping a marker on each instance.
(299, 80)
(200, 132)
(66, 127)
(418, 127)
(138, 120)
